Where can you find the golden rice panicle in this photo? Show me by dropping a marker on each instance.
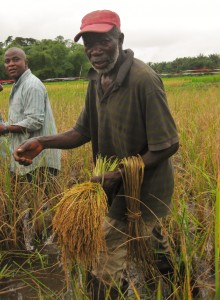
(78, 222)
(79, 216)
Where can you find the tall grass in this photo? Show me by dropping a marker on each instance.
(196, 109)
(192, 227)
(217, 239)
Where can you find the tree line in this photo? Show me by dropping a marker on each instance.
(188, 63)
(49, 58)
(63, 58)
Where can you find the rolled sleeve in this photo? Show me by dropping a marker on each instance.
(161, 128)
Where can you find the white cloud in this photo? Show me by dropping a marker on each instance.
(157, 31)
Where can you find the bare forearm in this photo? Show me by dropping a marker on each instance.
(16, 129)
(11, 129)
(153, 158)
(67, 140)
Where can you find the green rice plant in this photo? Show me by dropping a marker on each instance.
(5, 272)
(104, 165)
(217, 239)
(159, 291)
(38, 286)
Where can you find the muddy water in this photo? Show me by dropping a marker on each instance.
(36, 276)
(39, 275)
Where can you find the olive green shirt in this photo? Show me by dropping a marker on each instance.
(131, 118)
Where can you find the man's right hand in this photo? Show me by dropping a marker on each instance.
(27, 151)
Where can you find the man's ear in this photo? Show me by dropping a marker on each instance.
(26, 62)
(121, 39)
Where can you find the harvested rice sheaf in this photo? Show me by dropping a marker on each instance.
(138, 249)
(78, 221)
(79, 217)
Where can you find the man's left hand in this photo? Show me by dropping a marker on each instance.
(109, 181)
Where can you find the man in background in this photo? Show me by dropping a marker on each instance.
(3, 141)
(30, 115)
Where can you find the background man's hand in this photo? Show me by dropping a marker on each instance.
(2, 129)
(27, 151)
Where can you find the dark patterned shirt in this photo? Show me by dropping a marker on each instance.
(131, 118)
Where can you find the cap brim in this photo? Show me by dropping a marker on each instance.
(94, 28)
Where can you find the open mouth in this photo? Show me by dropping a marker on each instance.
(99, 64)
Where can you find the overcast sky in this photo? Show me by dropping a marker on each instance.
(155, 30)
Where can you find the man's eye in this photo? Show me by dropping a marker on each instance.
(88, 45)
(15, 59)
(104, 43)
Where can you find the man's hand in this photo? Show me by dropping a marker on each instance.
(110, 181)
(27, 151)
(3, 129)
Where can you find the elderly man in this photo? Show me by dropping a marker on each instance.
(30, 115)
(125, 114)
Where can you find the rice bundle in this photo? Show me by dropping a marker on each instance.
(78, 219)
(138, 250)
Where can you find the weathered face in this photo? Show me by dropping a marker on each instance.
(15, 63)
(102, 50)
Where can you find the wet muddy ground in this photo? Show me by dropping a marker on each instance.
(37, 275)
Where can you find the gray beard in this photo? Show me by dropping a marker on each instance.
(111, 65)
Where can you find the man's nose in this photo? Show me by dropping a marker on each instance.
(96, 49)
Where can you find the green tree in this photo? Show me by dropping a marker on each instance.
(63, 58)
(8, 41)
(79, 60)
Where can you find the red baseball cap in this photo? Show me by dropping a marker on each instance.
(98, 21)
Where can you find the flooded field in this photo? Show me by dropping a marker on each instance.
(37, 275)
(192, 228)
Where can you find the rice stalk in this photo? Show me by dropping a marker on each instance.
(104, 164)
(217, 238)
(138, 250)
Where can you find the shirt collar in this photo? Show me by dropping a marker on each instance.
(22, 77)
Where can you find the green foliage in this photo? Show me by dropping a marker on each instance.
(49, 58)
(187, 63)
(62, 58)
